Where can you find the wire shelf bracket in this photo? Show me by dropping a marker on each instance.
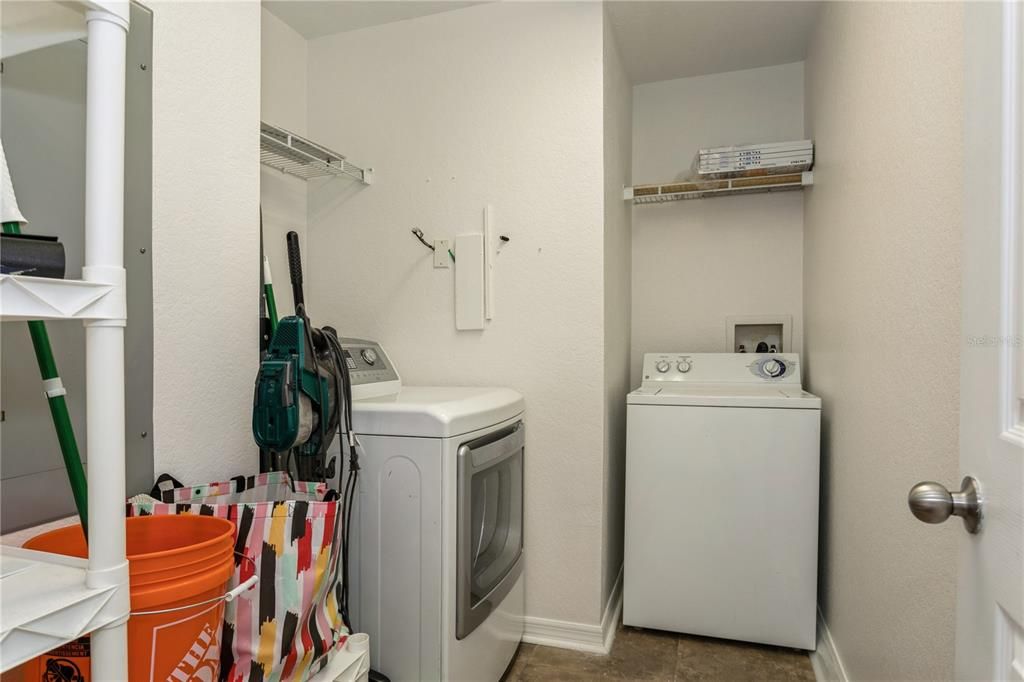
(295, 155)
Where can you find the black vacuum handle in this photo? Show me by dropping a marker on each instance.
(295, 268)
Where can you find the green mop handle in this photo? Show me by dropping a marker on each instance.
(268, 295)
(58, 409)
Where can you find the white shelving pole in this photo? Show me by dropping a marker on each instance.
(107, 27)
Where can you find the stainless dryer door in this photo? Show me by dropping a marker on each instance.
(489, 554)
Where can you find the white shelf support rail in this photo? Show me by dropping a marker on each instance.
(107, 27)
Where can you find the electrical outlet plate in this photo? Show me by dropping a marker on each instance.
(441, 253)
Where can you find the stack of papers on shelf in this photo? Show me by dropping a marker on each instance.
(754, 159)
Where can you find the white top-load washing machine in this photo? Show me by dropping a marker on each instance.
(436, 563)
(722, 498)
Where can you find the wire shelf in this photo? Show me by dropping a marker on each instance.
(703, 189)
(295, 155)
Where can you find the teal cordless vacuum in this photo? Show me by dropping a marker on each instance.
(300, 387)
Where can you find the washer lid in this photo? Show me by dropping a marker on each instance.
(726, 395)
(435, 412)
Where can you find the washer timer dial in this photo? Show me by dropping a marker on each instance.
(662, 366)
(369, 355)
(773, 369)
(683, 366)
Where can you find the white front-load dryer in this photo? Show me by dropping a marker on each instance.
(437, 551)
(722, 457)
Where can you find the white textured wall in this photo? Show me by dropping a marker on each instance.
(697, 262)
(497, 103)
(283, 103)
(618, 161)
(206, 107)
(882, 274)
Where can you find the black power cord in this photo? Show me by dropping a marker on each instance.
(343, 389)
(344, 407)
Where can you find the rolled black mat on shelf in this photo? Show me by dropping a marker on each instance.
(29, 254)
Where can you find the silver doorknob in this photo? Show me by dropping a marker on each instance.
(931, 502)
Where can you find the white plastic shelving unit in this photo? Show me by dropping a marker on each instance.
(704, 189)
(50, 599)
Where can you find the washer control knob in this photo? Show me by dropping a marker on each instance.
(369, 355)
(683, 366)
(773, 369)
(662, 366)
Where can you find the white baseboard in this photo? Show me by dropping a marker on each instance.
(596, 639)
(828, 667)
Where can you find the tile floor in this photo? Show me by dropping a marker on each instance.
(663, 656)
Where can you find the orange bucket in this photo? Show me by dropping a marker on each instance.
(179, 567)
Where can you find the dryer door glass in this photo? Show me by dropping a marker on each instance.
(490, 524)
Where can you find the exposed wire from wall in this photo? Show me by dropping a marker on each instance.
(419, 235)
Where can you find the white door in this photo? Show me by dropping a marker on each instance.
(990, 599)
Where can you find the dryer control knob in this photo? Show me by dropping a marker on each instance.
(773, 369)
(683, 366)
(662, 366)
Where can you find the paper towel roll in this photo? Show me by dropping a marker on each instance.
(9, 212)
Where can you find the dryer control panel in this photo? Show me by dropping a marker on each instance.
(370, 368)
(721, 368)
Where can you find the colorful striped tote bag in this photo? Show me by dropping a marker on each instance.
(290, 535)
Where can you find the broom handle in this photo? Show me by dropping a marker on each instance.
(268, 296)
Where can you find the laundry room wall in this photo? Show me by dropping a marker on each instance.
(697, 262)
(206, 108)
(618, 228)
(283, 104)
(501, 104)
(882, 274)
